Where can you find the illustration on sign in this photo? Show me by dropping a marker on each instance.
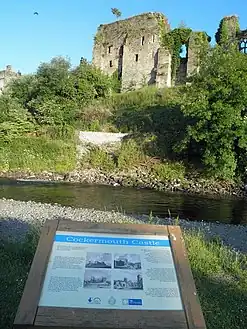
(111, 271)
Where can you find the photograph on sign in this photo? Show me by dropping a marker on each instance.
(106, 271)
(128, 280)
(127, 261)
(97, 279)
(98, 260)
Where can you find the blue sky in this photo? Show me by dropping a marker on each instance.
(67, 27)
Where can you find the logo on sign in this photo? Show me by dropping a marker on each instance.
(135, 301)
(112, 301)
(95, 300)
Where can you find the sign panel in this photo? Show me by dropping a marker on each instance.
(111, 271)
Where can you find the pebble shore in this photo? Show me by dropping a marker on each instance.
(17, 217)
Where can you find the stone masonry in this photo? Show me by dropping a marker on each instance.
(6, 75)
(131, 49)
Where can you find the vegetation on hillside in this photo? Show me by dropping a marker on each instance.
(201, 125)
(39, 113)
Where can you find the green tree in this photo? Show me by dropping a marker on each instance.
(14, 119)
(215, 105)
(56, 94)
(90, 83)
(24, 89)
(54, 78)
(116, 12)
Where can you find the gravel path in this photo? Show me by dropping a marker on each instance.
(16, 218)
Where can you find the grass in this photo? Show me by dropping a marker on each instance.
(131, 155)
(99, 159)
(220, 276)
(169, 170)
(16, 259)
(37, 154)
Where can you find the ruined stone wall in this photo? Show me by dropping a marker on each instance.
(108, 44)
(163, 78)
(140, 61)
(198, 45)
(6, 76)
(134, 48)
(131, 47)
(192, 56)
(228, 29)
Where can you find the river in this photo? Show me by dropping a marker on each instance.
(129, 200)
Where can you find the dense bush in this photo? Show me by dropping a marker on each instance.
(15, 121)
(169, 171)
(56, 94)
(130, 155)
(215, 105)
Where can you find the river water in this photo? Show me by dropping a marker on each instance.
(129, 200)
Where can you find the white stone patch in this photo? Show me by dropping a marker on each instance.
(100, 138)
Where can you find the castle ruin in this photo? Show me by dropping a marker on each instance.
(132, 49)
(6, 76)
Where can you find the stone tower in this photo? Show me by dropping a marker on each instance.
(6, 76)
(131, 49)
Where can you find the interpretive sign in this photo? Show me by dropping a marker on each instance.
(87, 275)
(111, 271)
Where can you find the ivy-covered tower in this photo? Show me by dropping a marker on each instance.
(229, 33)
(228, 30)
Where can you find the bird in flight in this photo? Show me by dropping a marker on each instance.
(35, 13)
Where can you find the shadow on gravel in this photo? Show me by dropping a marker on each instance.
(229, 235)
(16, 230)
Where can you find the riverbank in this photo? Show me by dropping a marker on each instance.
(137, 178)
(106, 159)
(219, 272)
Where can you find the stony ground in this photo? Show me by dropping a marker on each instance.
(17, 217)
(100, 138)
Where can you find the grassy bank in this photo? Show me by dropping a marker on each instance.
(132, 165)
(220, 276)
(130, 155)
(37, 154)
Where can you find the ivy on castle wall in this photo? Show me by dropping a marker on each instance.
(227, 32)
(173, 41)
(164, 26)
(199, 43)
(99, 38)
